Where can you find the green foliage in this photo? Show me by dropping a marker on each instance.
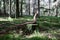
(45, 23)
(12, 37)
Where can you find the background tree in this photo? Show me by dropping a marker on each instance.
(21, 7)
(17, 8)
(56, 5)
(34, 7)
(4, 8)
(29, 7)
(38, 7)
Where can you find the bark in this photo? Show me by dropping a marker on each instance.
(17, 8)
(56, 11)
(4, 8)
(29, 7)
(55, 0)
(10, 8)
(21, 7)
(38, 8)
(34, 9)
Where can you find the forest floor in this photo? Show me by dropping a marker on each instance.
(49, 28)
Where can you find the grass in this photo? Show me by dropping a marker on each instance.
(44, 22)
(47, 24)
(34, 36)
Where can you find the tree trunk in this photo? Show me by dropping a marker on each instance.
(56, 11)
(17, 8)
(34, 9)
(10, 8)
(21, 7)
(49, 8)
(4, 8)
(38, 8)
(29, 7)
(54, 0)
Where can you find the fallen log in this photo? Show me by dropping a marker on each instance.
(16, 27)
(19, 26)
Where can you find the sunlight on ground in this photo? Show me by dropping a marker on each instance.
(16, 35)
(41, 35)
(6, 19)
(29, 19)
(2, 19)
(10, 19)
(36, 34)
